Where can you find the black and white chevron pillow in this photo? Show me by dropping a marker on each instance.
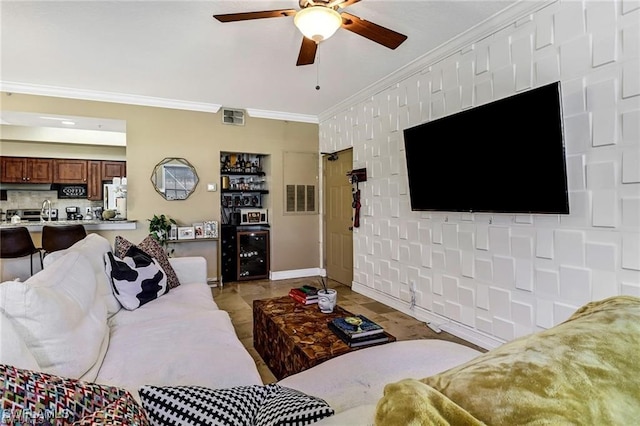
(136, 279)
(289, 407)
(196, 405)
(269, 405)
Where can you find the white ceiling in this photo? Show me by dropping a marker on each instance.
(176, 51)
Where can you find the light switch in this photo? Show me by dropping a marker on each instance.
(212, 187)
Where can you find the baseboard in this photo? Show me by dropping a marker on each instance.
(296, 273)
(436, 320)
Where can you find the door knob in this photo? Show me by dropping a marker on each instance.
(351, 228)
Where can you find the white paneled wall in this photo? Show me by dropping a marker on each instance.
(493, 277)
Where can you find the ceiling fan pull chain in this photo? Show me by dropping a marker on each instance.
(318, 68)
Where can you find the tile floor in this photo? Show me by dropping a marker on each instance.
(237, 299)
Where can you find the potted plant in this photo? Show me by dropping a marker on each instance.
(159, 228)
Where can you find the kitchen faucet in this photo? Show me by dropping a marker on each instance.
(46, 210)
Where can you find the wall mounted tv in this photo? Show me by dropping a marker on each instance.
(506, 156)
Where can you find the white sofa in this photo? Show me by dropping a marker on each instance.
(71, 325)
(66, 321)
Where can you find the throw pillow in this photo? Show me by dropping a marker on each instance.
(123, 411)
(268, 405)
(150, 246)
(196, 405)
(61, 317)
(32, 397)
(93, 247)
(289, 407)
(137, 278)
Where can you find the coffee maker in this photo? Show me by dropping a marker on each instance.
(73, 213)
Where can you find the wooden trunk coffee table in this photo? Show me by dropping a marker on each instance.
(291, 337)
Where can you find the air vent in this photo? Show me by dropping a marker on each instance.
(300, 198)
(233, 116)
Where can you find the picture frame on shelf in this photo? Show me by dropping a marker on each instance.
(173, 232)
(211, 229)
(186, 233)
(198, 230)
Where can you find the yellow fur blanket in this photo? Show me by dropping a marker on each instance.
(584, 371)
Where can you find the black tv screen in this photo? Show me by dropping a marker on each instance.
(506, 156)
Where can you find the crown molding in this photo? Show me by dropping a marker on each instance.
(92, 95)
(286, 116)
(121, 98)
(500, 20)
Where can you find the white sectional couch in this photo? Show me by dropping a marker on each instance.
(71, 325)
(66, 321)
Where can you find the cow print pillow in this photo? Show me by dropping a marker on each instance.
(136, 279)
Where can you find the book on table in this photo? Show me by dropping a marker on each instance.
(306, 294)
(357, 326)
(356, 342)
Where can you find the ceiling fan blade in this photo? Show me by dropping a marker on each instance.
(307, 53)
(342, 3)
(373, 32)
(245, 16)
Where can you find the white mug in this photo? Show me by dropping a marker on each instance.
(327, 300)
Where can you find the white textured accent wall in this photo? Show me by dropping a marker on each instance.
(493, 277)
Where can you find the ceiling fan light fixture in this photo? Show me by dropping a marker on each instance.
(317, 22)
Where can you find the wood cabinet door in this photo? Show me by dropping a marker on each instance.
(26, 170)
(39, 170)
(69, 171)
(111, 169)
(14, 169)
(94, 183)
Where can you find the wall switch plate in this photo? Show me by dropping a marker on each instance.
(212, 187)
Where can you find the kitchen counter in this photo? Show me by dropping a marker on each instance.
(90, 225)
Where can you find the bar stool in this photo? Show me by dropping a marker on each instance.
(60, 237)
(16, 242)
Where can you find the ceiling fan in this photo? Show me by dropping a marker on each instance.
(318, 20)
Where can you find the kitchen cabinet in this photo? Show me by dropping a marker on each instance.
(26, 170)
(70, 171)
(111, 169)
(94, 181)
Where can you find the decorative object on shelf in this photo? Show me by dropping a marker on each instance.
(160, 230)
(186, 232)
(198, 230)
(211, 229)
(174, 179)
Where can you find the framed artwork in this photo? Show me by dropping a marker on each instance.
(211, 229)
(186, 232)
(198, 230)
(173, 232)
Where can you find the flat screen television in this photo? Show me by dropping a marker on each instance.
(506, 156)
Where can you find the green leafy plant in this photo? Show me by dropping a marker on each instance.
(159, 227)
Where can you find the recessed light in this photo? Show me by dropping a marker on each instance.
(54, 118)
(69, 123)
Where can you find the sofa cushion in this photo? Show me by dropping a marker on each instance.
(268, 405)
(582, 371)
(150, 246)
(60, 316)
(137, 278)
(13, 349)
(32, 397)
(176, 348)
(93, 247)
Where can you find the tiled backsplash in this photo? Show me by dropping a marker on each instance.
(34, 199)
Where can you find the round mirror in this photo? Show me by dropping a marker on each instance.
(174, 178)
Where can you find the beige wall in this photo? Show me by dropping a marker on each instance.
(156, 133)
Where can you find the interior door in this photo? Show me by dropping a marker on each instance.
(338, 235)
